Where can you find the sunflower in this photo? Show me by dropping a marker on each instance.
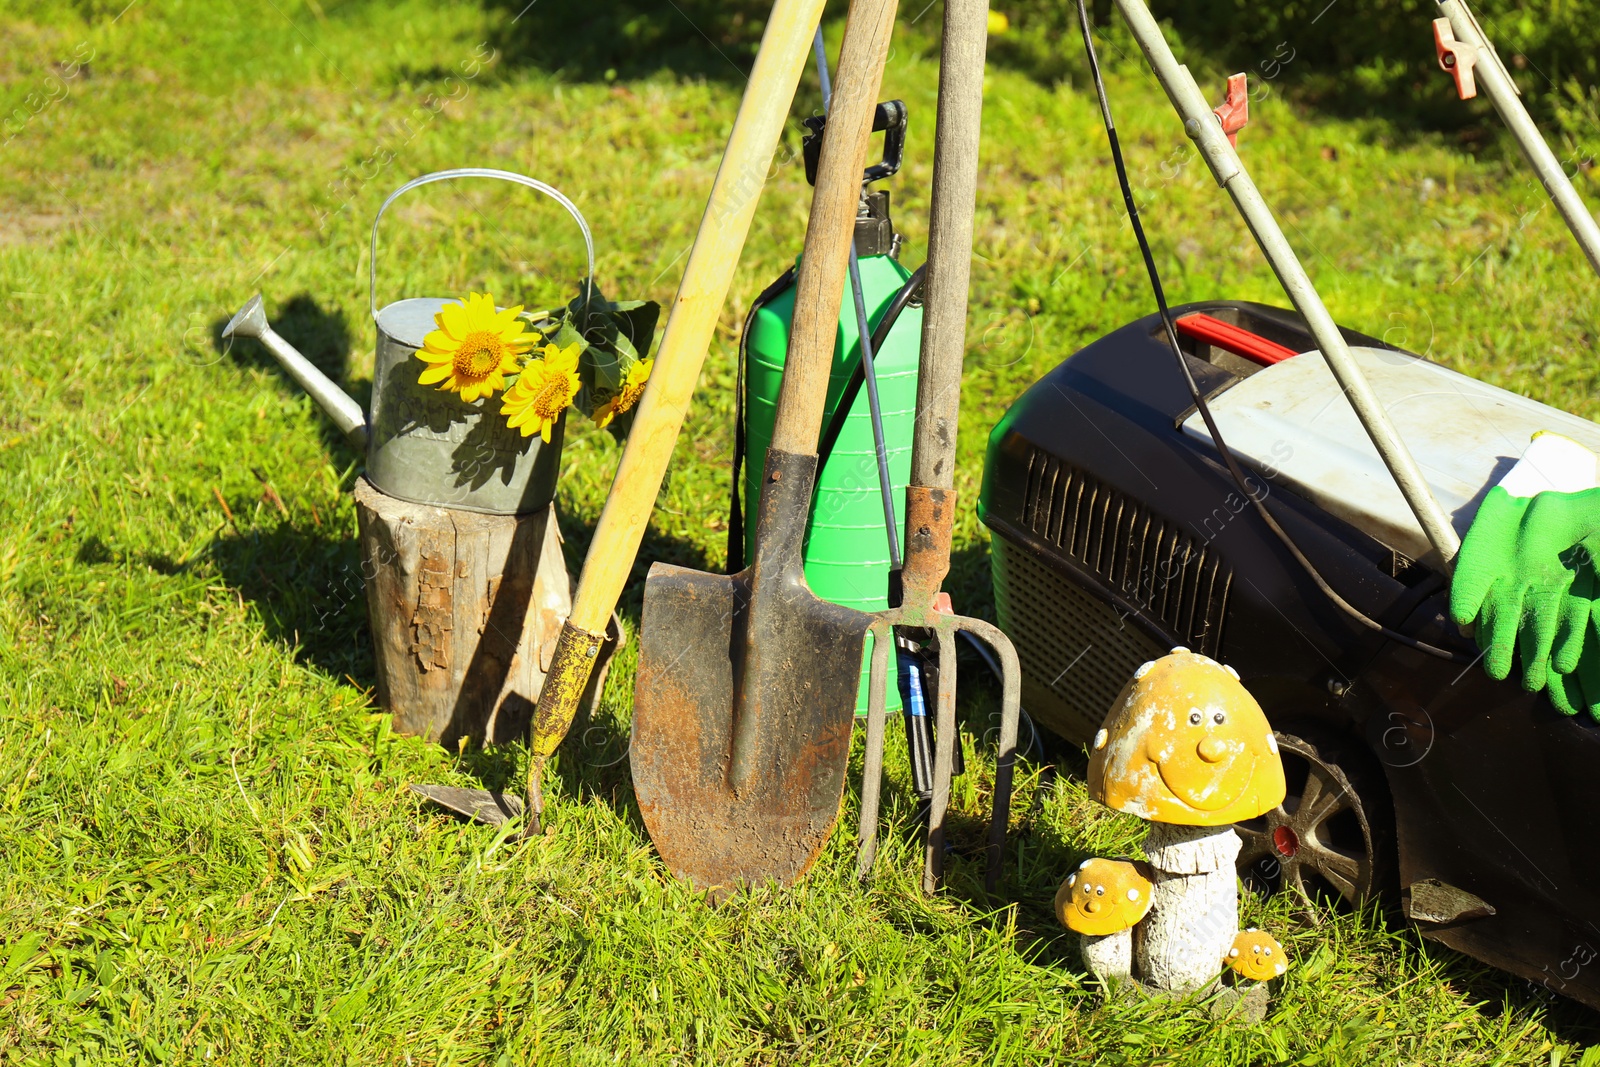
(474, 348)
(632, 389)
(544, 390)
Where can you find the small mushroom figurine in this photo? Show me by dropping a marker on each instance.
(1103, 900)
(1187, 748)
(1256, 954)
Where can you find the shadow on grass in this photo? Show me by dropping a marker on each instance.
(608, 40)
(324, 338)
(307, 587)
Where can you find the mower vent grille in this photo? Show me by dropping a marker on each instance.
(1150, 562)
(1076, 654)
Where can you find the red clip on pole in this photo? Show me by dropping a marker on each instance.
(1234, 111)
(1456, 58)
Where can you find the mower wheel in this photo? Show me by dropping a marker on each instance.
(1333, 836)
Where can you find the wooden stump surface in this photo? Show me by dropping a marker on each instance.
(464, 610)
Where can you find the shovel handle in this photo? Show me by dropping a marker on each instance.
(819, 289)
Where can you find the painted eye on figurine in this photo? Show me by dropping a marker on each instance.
(1194, 718)
(1219, 718)
(1099, 890)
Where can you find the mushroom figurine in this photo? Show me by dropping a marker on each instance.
(1103, 900)
(1257, 955)
(1187, 748)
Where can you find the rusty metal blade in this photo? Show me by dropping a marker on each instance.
(753, 664)
(477, 805)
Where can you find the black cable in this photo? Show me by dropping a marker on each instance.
(1194, 390)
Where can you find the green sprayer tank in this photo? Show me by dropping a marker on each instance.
(847, 548)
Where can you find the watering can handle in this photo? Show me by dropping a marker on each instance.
(473, 172)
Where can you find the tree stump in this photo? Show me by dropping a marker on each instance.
(465, 610)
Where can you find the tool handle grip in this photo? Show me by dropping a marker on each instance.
(819, 289)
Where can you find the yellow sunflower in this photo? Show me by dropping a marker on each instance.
(474, 348)
(544, 391)
(633, 384)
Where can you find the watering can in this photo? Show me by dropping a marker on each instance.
(424, 445)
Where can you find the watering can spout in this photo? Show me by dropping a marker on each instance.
(251, 321)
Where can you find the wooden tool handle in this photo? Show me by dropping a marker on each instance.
(785, 48)
(819, 290)
(955, 185)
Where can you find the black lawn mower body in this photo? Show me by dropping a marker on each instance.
(1117, 537)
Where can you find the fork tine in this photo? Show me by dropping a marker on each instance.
(872, 763)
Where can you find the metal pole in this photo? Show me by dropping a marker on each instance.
(1202, 126)
(1502, 92)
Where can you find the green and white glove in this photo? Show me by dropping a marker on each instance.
(1574, 681)
(1528, 574)
(1514, 579)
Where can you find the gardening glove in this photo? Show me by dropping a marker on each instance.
(1579, 689)
(1580, 614)
(1514, 574)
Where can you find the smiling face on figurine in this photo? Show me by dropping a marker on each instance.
(1103, 897)
(1186, 743)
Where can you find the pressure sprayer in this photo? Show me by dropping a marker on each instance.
(847, 553)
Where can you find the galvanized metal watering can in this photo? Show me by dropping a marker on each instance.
(424, 445)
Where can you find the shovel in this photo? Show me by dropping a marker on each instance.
(746, 691)
(931, 498)
(763, 112)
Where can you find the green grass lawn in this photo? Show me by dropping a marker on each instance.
(207, 853)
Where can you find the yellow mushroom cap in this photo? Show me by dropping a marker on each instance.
(1186, 743)
(1257, 955)
(1103, 897)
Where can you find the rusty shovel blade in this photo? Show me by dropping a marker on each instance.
(744, 704)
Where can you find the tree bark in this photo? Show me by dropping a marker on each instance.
(464, 610)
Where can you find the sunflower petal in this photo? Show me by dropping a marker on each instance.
(440, 342)
(563, 360)
(480, 311)
(438, 372)
(452, 319)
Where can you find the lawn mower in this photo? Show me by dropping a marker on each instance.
(1197, 478)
